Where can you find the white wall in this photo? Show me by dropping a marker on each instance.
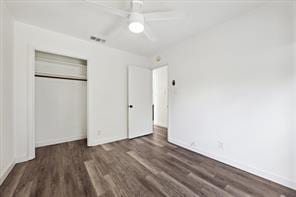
(233, 97)
(160, 95)
(107, 83)
(6, 92)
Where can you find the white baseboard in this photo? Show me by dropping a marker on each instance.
(58, 141)
(6, 172)
(161, 126)
(261, 173)
(108, 140)
(23, 159)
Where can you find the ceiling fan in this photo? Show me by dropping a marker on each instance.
(136, 19)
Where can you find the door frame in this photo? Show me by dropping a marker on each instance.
(168, 92)
(31, 145)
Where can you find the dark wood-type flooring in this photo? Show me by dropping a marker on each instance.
(146, 166)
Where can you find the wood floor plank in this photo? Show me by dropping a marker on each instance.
(142, 161)
(25, 191)
(107, 147)
(213, 188)
(117, 192)
(128, 183)
(147, 166)
(181, 187)
(159, 187)
(236, 192)
(246, 184)
(96, 177)
(153, 142)
(9, 186)
(191, 166)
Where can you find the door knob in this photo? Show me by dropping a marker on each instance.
(130, 106)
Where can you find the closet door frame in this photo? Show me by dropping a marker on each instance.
(31, 92)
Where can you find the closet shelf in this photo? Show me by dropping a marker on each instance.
(56, 76)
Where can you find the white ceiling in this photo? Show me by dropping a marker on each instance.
(81, 19)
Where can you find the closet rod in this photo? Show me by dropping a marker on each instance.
(54, 77)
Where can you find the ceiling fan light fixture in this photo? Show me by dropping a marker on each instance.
(136, 23)
(136, 27)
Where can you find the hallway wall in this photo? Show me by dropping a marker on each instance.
(160, 96)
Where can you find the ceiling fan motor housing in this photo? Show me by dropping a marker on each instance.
(137, 6)
(136, 17)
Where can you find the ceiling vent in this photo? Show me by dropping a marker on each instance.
(94, 38)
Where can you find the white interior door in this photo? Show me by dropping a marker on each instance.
(140, 101)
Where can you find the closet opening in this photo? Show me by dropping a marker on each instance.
(60, 95)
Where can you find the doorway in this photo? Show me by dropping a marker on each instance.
(60, 98)
(147, 101)
(160, 99)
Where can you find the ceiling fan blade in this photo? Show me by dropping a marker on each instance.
(108, 9)
(164, 16)
(148, 33)
(115, 30)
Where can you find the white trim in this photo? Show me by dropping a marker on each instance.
(22, 159)
(89, 103)
(6, 172)
(109, 140)
(159, 125)
(31, 103)
(262, 173)
(31, 92)
(293, 138)
(159, 66)
(1, 85)
(59, 141)
(140, 135)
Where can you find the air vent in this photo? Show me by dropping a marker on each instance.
(94, 38)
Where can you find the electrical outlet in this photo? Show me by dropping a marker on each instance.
(220, 145)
